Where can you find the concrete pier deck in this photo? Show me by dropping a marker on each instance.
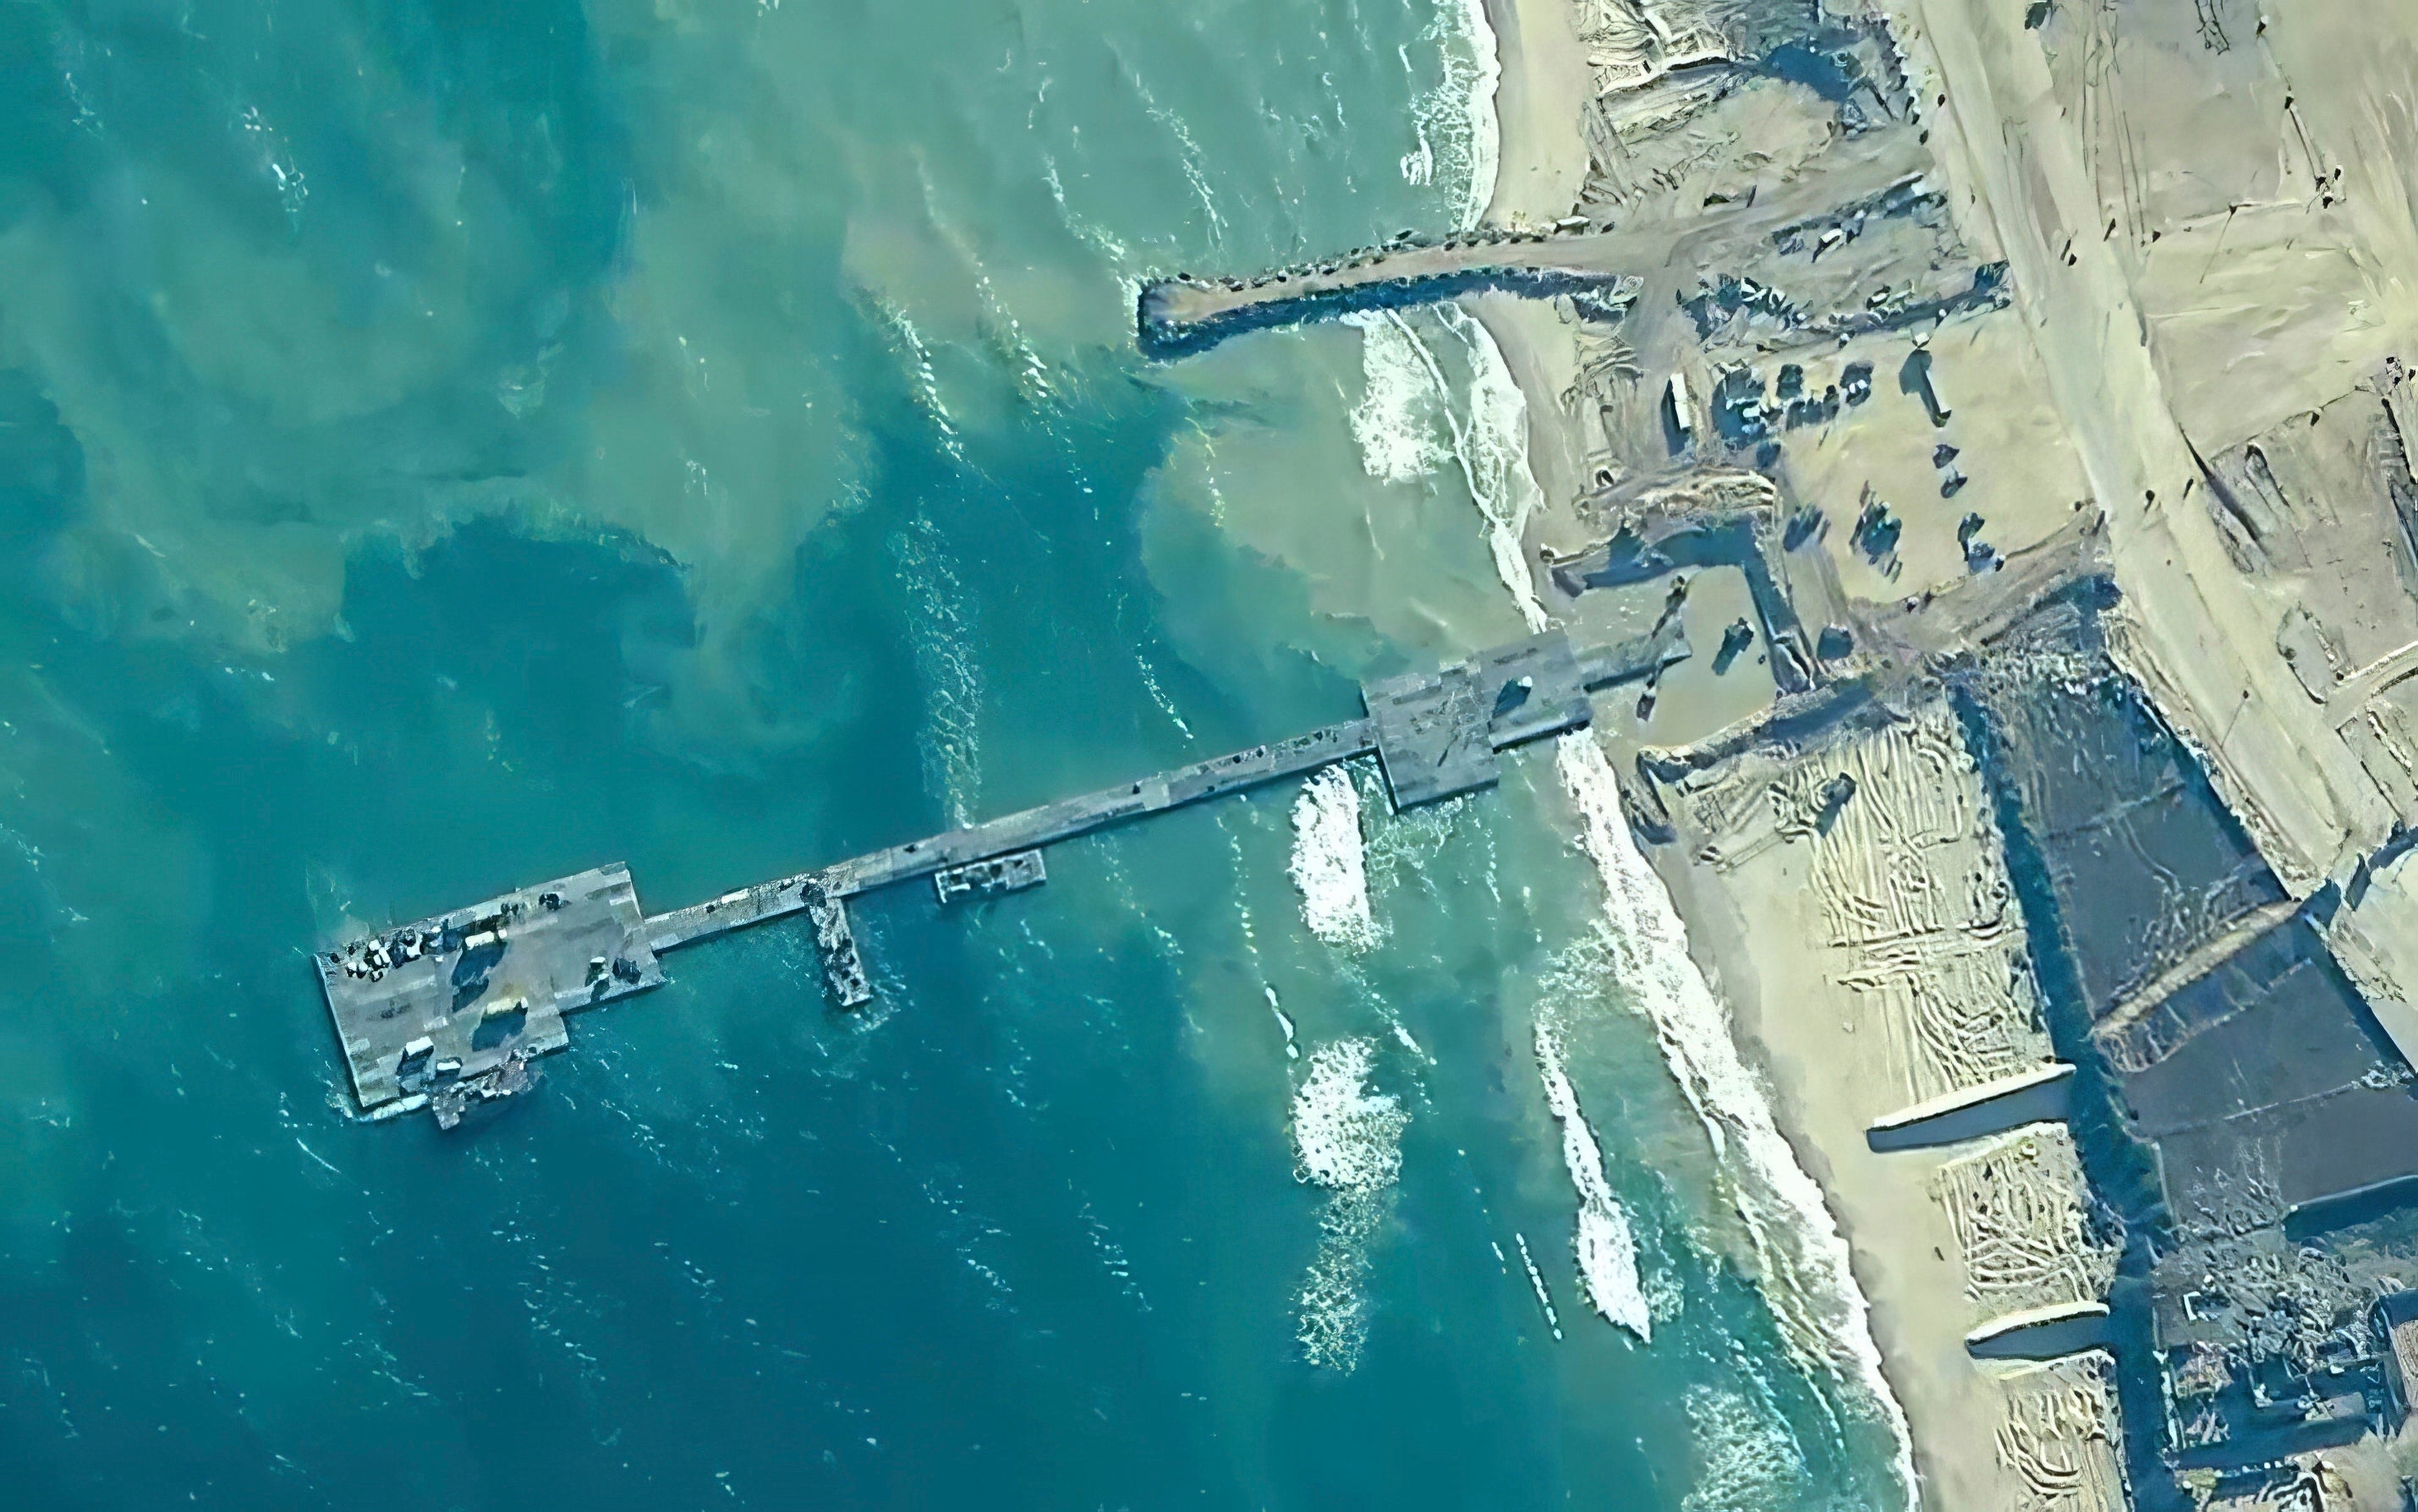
(1030, 830)
(447, 1013)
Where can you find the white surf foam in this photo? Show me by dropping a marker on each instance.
(1460, 138)
(1349, 1140)
(1328, 867)
(1493, 450)
(1284, 1022)
(1747, 1462)
(1345, 1138)
(1397, 417)
(1537, 1284)
(1332, 1312)
(1803, 1259)
(1602, 1243)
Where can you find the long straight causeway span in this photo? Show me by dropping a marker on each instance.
(446, 1014)
(1027, 831)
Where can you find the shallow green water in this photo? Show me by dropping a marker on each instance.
(444, 446)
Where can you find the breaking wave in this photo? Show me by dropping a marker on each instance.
(1395, 420)
(1349, 1140)
(1460, 138)
(1328, 867)
(1493, 450)
(1345, 1138)
(1747, 1461)
(1601, 1244)
(1823, 1318)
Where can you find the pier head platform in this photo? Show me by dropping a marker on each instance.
(447, 1014)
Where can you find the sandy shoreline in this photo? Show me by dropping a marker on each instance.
(1837, 1057)
(1922, 383)
(1982, 1437)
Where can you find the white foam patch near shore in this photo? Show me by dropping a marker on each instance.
(1602, 1243)
(1345, 1138)
(1328, 866)
(1748, 1462)
(1284, 1022)
(1493, 450)
(1396, 418)
(1459, 134)
(1348, 1140)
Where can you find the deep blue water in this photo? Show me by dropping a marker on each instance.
(445, 446)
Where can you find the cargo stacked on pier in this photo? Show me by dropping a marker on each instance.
(446, 1014)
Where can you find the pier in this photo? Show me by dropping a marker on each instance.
(447, 1014)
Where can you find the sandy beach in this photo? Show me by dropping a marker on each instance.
(2012, 408)
(1880, 966)
(1848, 1030)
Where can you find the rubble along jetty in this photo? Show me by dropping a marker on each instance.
(1585, 259)
(447, 1014)
(1185, 315)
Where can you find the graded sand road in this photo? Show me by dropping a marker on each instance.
(2195, 633)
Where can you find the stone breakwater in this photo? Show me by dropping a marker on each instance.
(1186, 314)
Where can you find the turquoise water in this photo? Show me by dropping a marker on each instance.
(444, 446)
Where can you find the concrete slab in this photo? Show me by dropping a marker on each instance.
(464, 1000)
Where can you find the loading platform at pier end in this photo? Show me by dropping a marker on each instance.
(447, 1014)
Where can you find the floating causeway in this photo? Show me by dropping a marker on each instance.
(446, 1014)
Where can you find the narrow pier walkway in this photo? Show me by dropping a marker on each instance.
(446, 1014)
